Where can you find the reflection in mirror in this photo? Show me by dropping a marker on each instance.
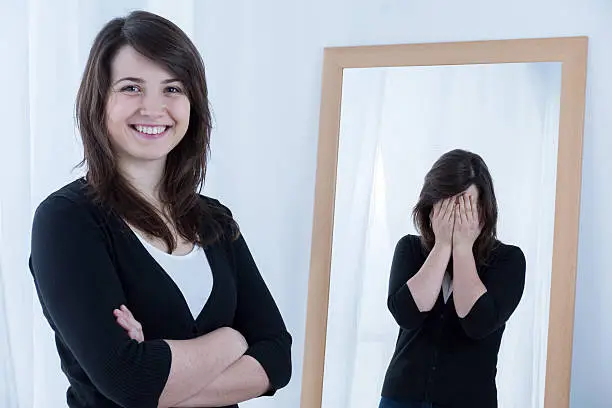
(395, 123)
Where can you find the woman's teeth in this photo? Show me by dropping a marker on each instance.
(151, 130)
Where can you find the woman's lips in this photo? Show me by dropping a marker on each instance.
(151, 131)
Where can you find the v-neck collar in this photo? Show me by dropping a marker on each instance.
(212, 255)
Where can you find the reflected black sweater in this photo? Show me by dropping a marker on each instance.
(86, 262)
(440, 357)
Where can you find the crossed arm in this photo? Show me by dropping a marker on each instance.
(243, 377)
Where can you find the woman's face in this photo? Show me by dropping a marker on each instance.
(147, 109)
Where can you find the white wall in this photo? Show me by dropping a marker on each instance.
(264, 64)
(264, 61)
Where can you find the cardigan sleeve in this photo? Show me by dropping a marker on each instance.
(78, 288)
(258, 318)
(504, 280)
(407, 261)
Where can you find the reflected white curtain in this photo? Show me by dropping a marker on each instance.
(44, 48)
(394, 124)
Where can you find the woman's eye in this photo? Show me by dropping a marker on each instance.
(174, 89)
(130, 88)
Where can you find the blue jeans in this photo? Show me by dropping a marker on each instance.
(389, 403)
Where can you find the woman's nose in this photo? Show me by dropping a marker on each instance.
(152, 107)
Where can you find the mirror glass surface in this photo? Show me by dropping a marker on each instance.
(395, 123)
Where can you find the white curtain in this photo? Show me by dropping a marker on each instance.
(8, 397)
(44, 48)
(395, 123)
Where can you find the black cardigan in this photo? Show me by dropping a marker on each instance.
(86, 262)
(440, 357)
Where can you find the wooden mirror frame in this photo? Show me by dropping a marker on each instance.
(572, 53)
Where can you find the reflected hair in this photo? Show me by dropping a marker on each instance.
(453, 173)
(162, 42)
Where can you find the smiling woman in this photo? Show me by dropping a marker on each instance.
(150, 75)
(160, 303)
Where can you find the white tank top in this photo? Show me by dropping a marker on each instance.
(447, 286)
(190, 272)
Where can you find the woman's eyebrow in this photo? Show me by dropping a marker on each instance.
(140, 80)
(132, 79)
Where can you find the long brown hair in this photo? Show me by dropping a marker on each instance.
(163, 42)
(451, 174)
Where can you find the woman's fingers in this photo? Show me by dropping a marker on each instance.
(440, 211)
(434, 212)
(468, 209)
(125, 310)
(460, 211)
(450, 213)
(474, 211)
(471, 210)
(444, 209)
(127, 321)
(124, 323)
(123, 319)
(441, 208)
(131, 317)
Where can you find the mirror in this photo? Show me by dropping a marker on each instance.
(522, 114)
(395, 123)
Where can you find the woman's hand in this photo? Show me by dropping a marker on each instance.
(132, 326)
(467, 223)
(442, 219)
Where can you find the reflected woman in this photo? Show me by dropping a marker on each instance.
(150, 288)
(451, 291)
